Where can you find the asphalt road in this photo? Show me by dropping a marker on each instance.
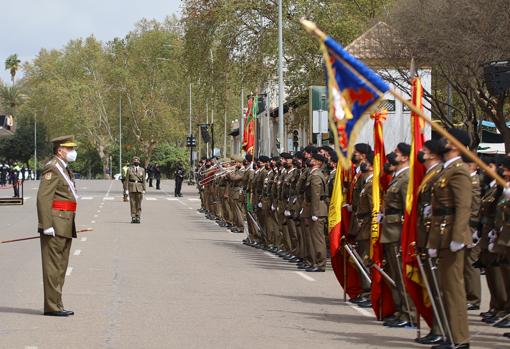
(177, 280)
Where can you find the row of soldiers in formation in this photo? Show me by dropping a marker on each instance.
(463, 224)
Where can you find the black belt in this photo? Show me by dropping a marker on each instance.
(133, 181)
(392, 211)
(443, 211)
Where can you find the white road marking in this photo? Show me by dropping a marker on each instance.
(87, 198)
(193, 199)
(361, 311)
(109, 198)
(304, 276)
(98, 211)
(69, 271)
(93, 222)
(269, 254)
(30, 347)
(77, 252)
(151, 199)
(183, 203)
(96, 215)
(172, 199)
(27, 197)
(83, 239)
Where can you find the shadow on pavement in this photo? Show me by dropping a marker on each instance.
(20, 311)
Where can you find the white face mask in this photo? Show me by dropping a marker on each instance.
(71, 156)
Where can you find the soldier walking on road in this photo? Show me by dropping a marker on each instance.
(56, 210)
(135, 187)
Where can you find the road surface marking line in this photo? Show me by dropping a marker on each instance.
(69, 271)
(96, 215)
(269, 254)
(83, 239)
(109, 198)
(193, 199)
(172, 199)
(87, 198)
(30, 347)
(93, 222)
(77, 252)
(151, 199)
(179, 201)
(304, 276)
(27, 197)
(361, 310)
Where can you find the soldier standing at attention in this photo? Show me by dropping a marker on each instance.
(56, 209)
(124, 179)
(135, 187)
(449, 235)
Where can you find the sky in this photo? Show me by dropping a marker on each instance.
(29, 25)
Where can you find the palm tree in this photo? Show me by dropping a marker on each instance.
(12, 64)
(11, 98)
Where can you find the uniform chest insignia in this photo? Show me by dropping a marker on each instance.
(47, 176)
(442, 182)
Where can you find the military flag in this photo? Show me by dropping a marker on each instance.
(382, 301)
(248, 142)
(412, 277)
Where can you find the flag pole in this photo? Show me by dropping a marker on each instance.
(311, 28)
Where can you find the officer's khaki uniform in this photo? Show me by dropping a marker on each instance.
(288, 195)
(364, 221)
(472, 277)
(451, 209)
(258, 182)
(316, 193)
(303, 212)
(136, 186)
(236, 182)
(394, 205)
(56, 207)
(502, 246)
(423, 226)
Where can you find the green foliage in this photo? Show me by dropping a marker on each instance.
(12, 64)
(169, 157)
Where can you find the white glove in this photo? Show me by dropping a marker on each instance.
(491, 247)
(427, 211)
(348, 207)
(432, 252)
(143, 191)
(456, 246)
(272, 207)
(301, 211)
(315, 218)
(127, 192)
(287, 213)
(380, 217)
(49, 232)
(492, 234)
(259, 205)
(294, 201)
(506, 192)
(475, 236)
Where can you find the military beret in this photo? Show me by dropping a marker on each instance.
(461, 135)
(370, 158)
(363, 148)
(319, 157)
(310, 149)
(404, 148)
(275, 158)
(248, 157)
(285, 156)
(264, 158)
(435, 146)
(299, 155)
(64, 141)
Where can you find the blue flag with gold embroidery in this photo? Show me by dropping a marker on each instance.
(354, 90)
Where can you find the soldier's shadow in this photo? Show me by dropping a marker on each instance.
(14, 310)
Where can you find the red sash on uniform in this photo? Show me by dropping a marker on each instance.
(64, 206)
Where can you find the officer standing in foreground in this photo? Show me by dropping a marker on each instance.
(56, 209)
(135, 187)
(449, 235)
(179, 177)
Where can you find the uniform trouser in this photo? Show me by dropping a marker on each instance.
(135, 201)
(293, 238)
(284, 234)
(55, 257)
(451, 282)
(299, 224)
(505, 271)
(261, 219)
(158, 183)
(435, 329)
(178, 186)
(494, 277)
(238, 209)
(318, 242)
(270, 226)
(363, 248)
(472, 278)
(252, 229)
(399, 295)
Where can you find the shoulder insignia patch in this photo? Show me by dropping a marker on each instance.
(47, 176)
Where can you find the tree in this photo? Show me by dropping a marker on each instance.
(12, 63)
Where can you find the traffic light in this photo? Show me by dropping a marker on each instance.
(191, 141)
(295, 139)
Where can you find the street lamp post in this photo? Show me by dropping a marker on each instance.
(281, 131)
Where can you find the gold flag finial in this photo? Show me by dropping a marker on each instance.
(311, 28)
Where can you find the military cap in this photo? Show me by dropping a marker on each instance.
(264, 158)
(136, 158)
(319, 157)
(248, 157)
(64, 141)
(404, 148)
(275, 158)
(363, 148)
(461, 135)
(333, 157)
(285, 156)
(391, 158)
(299, 155)
(310, 149)
(435, 146)
(506, 162)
